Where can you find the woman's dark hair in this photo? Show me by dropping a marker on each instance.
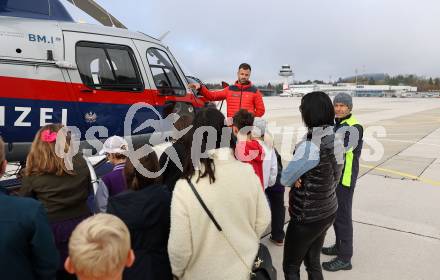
(207, 117)
(183, 122)
(317, 109)
(135, 180)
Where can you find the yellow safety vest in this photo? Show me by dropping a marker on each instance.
(349, 156)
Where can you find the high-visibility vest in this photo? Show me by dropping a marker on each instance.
(349, 156)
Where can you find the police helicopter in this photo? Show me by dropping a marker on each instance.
(55, 70)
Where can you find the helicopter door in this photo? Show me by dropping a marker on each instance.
(107, 80)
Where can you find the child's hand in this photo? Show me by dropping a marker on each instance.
(298, 184)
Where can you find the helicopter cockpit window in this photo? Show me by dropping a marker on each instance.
(108, 67)
(164, 73)
(39, 6)
(36, 9)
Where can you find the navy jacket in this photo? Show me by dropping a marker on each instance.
(146, 213)
(27, 248)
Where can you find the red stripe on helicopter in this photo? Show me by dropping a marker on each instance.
(22, 88)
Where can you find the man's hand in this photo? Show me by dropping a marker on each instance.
(194, 86)
(298, 184)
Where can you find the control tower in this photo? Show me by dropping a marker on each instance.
(286, 72)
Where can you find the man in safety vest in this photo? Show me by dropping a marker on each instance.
(242, 95)
(353, 133)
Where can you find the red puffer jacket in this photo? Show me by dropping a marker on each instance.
(238, 97)
(251, 152)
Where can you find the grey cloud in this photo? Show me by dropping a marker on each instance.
(318, 38)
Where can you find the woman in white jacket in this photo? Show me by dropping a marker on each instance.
(232, 192)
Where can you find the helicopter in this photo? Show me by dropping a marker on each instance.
(55, 70)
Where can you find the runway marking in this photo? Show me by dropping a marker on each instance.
(404, 141)
(398, 230)
(403, 174)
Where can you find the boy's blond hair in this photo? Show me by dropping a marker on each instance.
(99, 246)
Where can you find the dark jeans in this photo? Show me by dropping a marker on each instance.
(344, 224)
(278, 212)
(61, 233)
(304, 243)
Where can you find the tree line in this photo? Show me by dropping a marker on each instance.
(422, 83)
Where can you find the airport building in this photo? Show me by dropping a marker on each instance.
(353, 89)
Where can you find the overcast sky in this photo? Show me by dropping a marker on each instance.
(318, 38)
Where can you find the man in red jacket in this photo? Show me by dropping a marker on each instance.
(241, 95)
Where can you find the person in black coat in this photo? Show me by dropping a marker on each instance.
(312, 175)
(145, 209)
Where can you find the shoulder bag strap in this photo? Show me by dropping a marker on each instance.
(196, 193)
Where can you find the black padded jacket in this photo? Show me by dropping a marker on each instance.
(316, 198)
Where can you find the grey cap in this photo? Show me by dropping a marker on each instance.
(344, 98)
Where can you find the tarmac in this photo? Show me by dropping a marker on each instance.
(396, 208)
